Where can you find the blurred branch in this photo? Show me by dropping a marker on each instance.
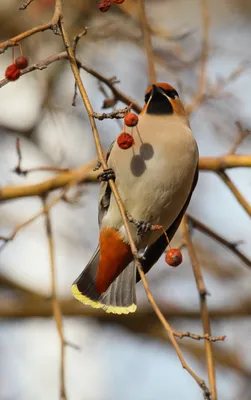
(204, 56)
(215, 89)
(209, 232)
(205, 164)
(25, 5)
(82, 174)
(242, 134)
(118, 95)
(147, 40)
(241, 199)
(11, 284)
(205, 48)
(20, 171)
(203, 305)
(23, 307)
(73, 182)
(41, 28)
(55, 302)
(224, 162)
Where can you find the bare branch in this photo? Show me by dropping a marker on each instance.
(243, 133)
(209, 232)
(25, 5)
(147, 39)
(116, 114)
(41, 28)
(55, 302)
(241, 199)
(203, 305)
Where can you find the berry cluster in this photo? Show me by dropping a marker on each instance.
(12, 72)
(125, 140)
(104, 5)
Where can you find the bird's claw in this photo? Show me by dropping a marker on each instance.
(97, 166)
(142, 226)
(106, 175)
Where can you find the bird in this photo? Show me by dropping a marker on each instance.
(155, 179)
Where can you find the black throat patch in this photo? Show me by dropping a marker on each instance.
(159, 105)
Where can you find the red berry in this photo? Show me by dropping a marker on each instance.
(12, 72)
(131, 119)
(104, 5)
(173, 257)
(21, 62)
(118, 1)
(125, 140)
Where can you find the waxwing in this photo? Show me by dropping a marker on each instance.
(155, 179)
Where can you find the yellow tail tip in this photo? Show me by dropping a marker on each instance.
(96, 304)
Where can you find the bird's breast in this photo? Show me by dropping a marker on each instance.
(154, 177)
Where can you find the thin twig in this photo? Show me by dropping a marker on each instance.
(41, 28)
(242, 134)
(118, 95)
(209, 232)
(202, 82)
(116, 114)
(55, 302)
(80, 177)
(147, 39)
(82, 174)
(194, 336)
(23, 172)
(215, 90)
(203, 305)
(205, 48)
(89, 109)
(241, 199)
(25, 5)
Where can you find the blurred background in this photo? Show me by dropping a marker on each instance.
(123, 357)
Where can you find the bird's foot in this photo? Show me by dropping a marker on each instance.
(97, 166)
(142, 226)
(106, 175)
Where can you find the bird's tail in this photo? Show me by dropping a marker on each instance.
(119, 298)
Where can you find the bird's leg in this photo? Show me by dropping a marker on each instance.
(106, 175)
(142, 226)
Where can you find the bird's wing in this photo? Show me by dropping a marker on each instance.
(105, 193)
(153, 252)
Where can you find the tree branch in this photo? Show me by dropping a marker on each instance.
(55, 303)
(147, 40)
(203, 305)
(41, 28)
(241, 199)
(205, 164)
(209, 232)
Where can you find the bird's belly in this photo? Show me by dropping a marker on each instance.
(156, 184)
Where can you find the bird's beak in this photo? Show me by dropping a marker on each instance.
(155, 90)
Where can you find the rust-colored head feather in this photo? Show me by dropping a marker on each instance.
(162, 85)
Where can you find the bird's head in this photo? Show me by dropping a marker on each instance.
(162, 99)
